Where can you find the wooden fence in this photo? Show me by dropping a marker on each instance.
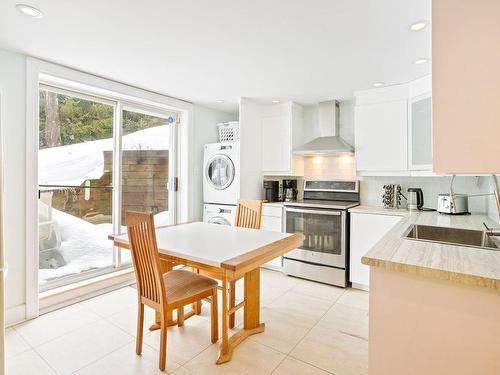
(144, 188)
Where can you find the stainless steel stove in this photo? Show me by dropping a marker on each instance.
(323, 218)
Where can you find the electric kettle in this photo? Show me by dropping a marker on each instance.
(415, 199)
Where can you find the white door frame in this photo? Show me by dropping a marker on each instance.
(3, 267)
(40, 71)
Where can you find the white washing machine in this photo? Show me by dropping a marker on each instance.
(221, 173)
(219, 214)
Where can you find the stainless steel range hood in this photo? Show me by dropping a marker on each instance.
(330, 141)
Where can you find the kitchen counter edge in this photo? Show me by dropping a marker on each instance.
(462, 264)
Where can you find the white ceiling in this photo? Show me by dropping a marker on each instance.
(202, 51)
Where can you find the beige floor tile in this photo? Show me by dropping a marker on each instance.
(83, 346)
(270, 293)
(183, 343)
(301, 307)
(125, 361)
(183, 371)
(355, 298)
(333, 351)
(113, 302)
(323, 291)
(347, 319)
(291, 366)
(14, 343)
(27, 363)
(127, 319)
(282, 332)
(248, 358)
(55, 324)
(323, 328)
(270, 276)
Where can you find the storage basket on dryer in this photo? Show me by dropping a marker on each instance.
(229, 131)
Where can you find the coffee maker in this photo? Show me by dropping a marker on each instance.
(289, 190)
(272, 191)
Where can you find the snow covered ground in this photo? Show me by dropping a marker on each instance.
(85, 246)
(73, 164)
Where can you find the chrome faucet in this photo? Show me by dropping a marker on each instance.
(494, 231)
(489, 231)
(495, 193)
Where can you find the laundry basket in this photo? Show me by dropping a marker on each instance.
(229, 131)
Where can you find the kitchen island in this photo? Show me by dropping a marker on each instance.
(434, 308)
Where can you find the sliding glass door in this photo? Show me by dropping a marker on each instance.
(146, 168)
(98, 159)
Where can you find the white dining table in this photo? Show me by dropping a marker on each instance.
(226, 253)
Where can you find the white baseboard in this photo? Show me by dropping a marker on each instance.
(364, 287)
(15, 315)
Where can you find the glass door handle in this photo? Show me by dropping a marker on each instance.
(5, 271)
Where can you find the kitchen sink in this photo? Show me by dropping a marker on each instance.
(450, 236)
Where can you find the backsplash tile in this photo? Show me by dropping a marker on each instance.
(342, 166)
(371, 189)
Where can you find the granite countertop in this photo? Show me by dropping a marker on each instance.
(461, 264)
(378, 210)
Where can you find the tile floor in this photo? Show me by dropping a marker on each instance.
(310, 329)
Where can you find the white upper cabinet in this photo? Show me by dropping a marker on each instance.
(380, 129)
(393, 129)
(282, 130)
(420, 125)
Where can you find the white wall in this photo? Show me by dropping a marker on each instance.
(13, 90)
(250, 149)
(204, 131)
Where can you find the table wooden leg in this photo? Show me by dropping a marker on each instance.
(252, 304)
(224, 348)
(232, 302)
(252, 324)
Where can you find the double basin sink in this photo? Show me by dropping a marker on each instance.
(451, 236)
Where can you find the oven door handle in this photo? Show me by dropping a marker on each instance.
(319, 212)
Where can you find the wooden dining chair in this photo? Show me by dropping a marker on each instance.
(248, 215)
(163, 292)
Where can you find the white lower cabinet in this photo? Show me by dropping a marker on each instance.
(272, 220)
(366, 231)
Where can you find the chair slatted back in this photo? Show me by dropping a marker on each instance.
(248, 213)
(142, 239)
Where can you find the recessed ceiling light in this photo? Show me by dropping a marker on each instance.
(29, 10)
(378, 84)
(220, 101)
(421, 61)
(418, 25)
(276, 101)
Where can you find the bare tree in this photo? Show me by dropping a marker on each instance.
(52, 127)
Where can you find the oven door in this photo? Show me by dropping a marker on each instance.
(324, 232)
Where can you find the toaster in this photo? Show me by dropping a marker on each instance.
(445, 204)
